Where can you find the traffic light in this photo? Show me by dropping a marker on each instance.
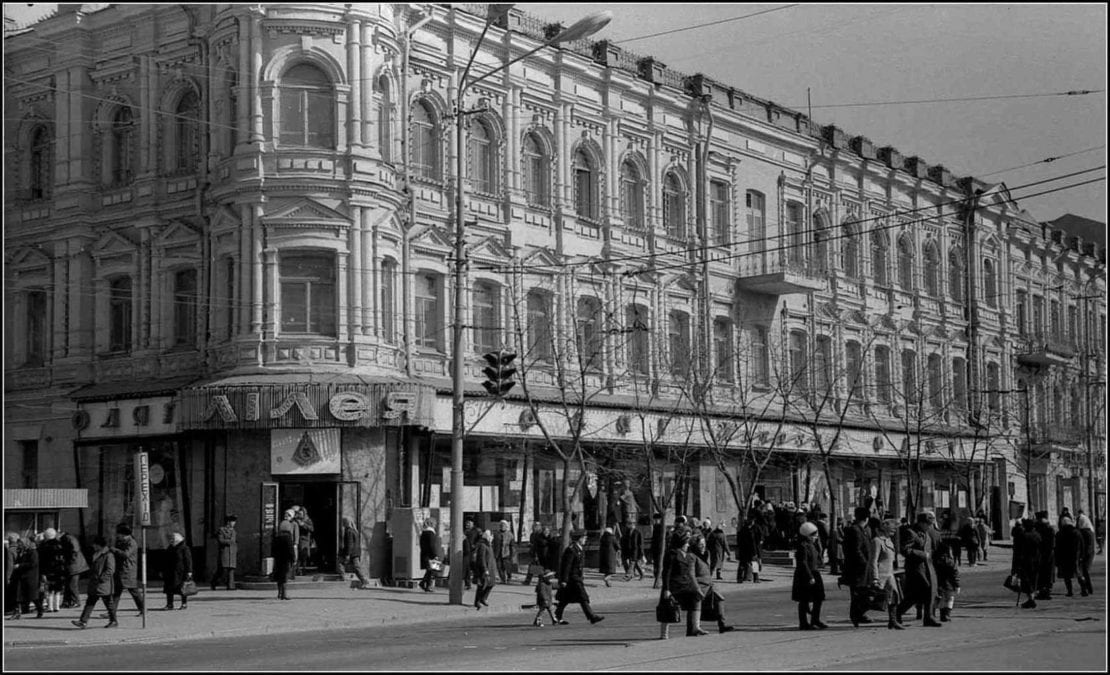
(499, 372)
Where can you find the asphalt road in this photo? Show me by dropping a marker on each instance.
(987, 633)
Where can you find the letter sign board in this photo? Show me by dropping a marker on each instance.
(142, 488)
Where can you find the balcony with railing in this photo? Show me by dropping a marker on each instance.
(778, 272)
(1044, 349)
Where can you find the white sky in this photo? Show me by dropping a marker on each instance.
(898, 52)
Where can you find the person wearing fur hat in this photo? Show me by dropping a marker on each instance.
(1046, 574)
(808, 589)
(176, 569)
(680, 582)
(52, 565)
(572, 587)
(918, 544)
(1069, 545)
(856, 545)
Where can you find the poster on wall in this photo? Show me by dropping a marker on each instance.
(304, 451)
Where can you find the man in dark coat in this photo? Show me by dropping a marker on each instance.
(350, 552)
(919, 543)
(717, 543)
(126, 552)
(571, 583)
(857, 553)
(1046, 574)
(749, 545)
(101, 583)
(431, 548)
(504, 549)
(1068, 550)
(658, 533)
(537, 550)
(227, 555)
(177, 569)
(1027, 559)
(25, 576)
(485, 569)
(470, 542)
(632, 550)
(76, 565)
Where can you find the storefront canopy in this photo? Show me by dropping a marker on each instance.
(45, 499)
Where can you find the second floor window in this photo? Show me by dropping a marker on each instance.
(795, 234)
(638, 334)
(425, 142)
(186, 121)
(41, 158)
(722, 345)
(909, 376)
(632, 196)
(589, 334)
(799, 362)
(936, 382)
(754, 205)
(428, 329)
(1021, 312)
(883, 381)
(994, 384)
(719, 213)
(483, 157)
(678, 333)
(122, 147)
(185, 308)
(990, 284)
(585, 187)
(539, 326)
(959, 383)
(35, 322)
(308, 301)
(537, 172)
(853, 368)
(760, 357)
(824, 384)
(956, 274)
(119, 314)
(486, 316)
(307, 108)
(674, 206)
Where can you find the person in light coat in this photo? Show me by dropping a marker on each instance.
(227, 555)
(1087, 552)
(101, 583)
(880, 570)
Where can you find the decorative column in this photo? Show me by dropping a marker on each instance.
(354, 76)
(242, 295)
(256, 244)
(270, 273)
(60, 280)
(342, 330)
(244, 98)
(357, 270)
(365, 58)
(256, 75)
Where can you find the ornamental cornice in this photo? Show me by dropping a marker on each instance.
(277, 26)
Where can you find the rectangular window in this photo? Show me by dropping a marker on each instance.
(882, 374)
(959, 383)
(638, 358)
(756, 232)
(722, 343)
(1054, 320)
(853, 362)
(909, 376)
(822, 366)
(119, 314)
(1073, 325)
(185, 308)
(539, 326)
(798, 362)
(994, 382)
(29, 468)
(678, 333)
(589, 334)
(936, 382)
(584, 193)
(1038, 315)
(308, 303)
(486, 318)
(36, 327)
(761, 357)
(389, 281)
(429, 313)
(1021, 310)
(719, 212)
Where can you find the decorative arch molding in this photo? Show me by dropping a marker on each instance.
(592, 149)
(106, 111)
(679, 172)
(286, 57)
(172, 93)
(633, 156)
(542, 134)
(822, 218)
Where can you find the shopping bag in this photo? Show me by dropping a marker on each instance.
(875, 598)
(667, 611)
(188, 587)
(1013, 582)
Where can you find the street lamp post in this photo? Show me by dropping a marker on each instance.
(580, 29)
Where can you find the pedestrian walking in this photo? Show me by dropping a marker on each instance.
(717, 543)
(857, 553)
(1087, 552)
(76, 565)
(632, 551)
(609, 552)
(485, 569)
(749, 550)
(544, 600)
(305, 540)
(918, 543)
(1046, 573)
(969, 539)
(504, 549)
(101, 584)
(554, 550)
(537, 550)
(712, 603)
(808, 589)
(572, 587)
(227, 553)
(680, 583)
(1026, 561)
(350, 551)
(834, 548)
(431, 552)
(52, 565)
(177, 568)
(470, 542)
(880, 570)
(950, 534)
(126, 553)
(289, 526)
(985, 533)
(948, 580)
(658, 537)
(1068, 551)
(284, 552)
(25, 576)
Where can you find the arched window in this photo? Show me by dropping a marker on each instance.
(821, 244)
(537, 172)
(590, 333)
(122, 147)
(795, 234)
(932, 270)
(990, 283)
(678, 334)
(956, 274)
(632, 196)
(880, 258)
(307, 108)
(850, 251)
(483, 157)
(905, 263)
(486, 317)
(674, 206)
(385, 119)
(41, 158)
(638, 335)
(425, 141)
(539, 326)
(185, 308)
(186, 139)
(585, 186)
(755, 210)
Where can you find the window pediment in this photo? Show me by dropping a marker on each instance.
(303, 213)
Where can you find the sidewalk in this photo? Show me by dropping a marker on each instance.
(224, 613)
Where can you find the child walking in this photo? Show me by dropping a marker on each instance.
(948, 580)
(543, 598)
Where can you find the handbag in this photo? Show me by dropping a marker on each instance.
(435, 565)
(188, 587)
(667, 611)
(875, 598)
(1013, 583)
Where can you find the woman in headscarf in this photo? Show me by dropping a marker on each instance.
(52, 565)
(284, 552)
(177, 568)
(808, 589)
(485, 569)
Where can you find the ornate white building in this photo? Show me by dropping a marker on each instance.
(229, 243)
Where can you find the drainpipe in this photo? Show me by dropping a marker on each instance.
(703, 232)
(410, 221)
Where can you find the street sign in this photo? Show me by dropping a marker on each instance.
(142, 488)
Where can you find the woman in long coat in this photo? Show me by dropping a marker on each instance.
(918, 546)
(1068, 551)
(52, 565)
(485, 569)
(880, 571)
(808, 589)
(284, 552)
(431, 548)
(1087, 553)
(25, 578)
(609, 554)
(1027, 559)
(177, 568)
(680, 582)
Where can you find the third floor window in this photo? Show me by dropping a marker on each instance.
(307, 108)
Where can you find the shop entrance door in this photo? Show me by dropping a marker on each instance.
(320, 499)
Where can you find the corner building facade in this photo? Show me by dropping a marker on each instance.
(229, 243)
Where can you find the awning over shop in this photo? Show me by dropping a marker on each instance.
(45, 498)
(104, 391)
